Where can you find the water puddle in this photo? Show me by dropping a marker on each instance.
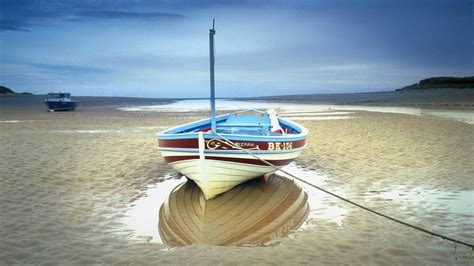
(224, 105)
(466, 116)
(108, 131)
(250, 214)
(175, 213)
(19, 121)
(318, 115)
(322, 205)
(91, 131)
(302, 114)
(454, 202)
(309, 118)
(142, 215)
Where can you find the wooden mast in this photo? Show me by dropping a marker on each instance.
(213, 99)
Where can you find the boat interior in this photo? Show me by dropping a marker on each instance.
(250, 122)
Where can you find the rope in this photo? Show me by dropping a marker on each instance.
(471, 246)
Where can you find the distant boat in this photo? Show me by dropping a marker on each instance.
(61, 101)
(214, 152)
(249, 214)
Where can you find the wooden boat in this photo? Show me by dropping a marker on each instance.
(61, 101)
(233, 218)
(215, 152)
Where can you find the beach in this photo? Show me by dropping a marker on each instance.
(86, 187)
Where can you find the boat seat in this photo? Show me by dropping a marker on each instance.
(247, 119)
(244, 125)
(252, 131)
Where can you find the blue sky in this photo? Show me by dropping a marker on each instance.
(153, 48)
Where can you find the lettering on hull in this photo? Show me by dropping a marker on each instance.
(276, 146)
(219, 144)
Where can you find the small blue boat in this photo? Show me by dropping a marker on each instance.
(221, 152)
(61, 101)
(238, 149)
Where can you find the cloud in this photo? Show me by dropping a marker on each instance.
(71, 69)
(24, 15)
(9, 26)
(105, 14)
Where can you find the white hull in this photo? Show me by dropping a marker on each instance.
(218, 176)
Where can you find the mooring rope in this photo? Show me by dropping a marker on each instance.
(471, 246)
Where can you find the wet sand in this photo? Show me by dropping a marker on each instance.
(71, 180)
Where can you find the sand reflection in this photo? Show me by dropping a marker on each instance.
(252, 213)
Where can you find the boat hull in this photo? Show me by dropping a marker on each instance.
(61, 105)
(219, 172)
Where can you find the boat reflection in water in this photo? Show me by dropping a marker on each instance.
(251, 213)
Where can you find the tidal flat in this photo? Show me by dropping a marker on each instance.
(86, 187)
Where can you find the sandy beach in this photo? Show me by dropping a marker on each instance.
(78, 187)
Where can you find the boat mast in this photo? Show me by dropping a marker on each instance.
(213, 99)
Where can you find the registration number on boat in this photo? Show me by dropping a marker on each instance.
(280, 146)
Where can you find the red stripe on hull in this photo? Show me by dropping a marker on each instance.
(178, 143)
(171, 159)
(219, 144)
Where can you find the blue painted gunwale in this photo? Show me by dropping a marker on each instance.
(175, 133)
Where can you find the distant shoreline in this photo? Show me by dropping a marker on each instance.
(435, 83)
(442, 99)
